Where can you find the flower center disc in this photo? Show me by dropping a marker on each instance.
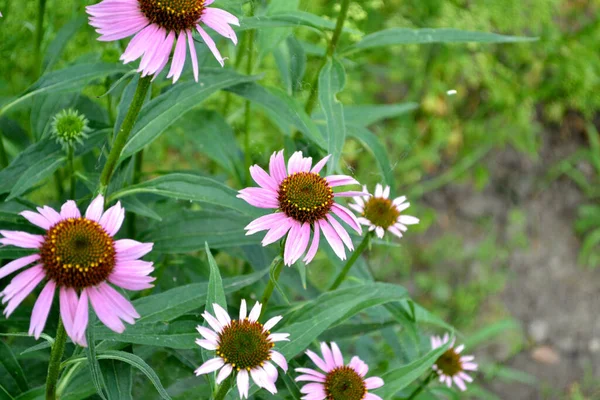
(244, 345)
(449, 363)
(77, 253)
(381, 212)
(173, 15)
(305, 196)
(343, 383)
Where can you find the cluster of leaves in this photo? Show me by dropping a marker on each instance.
(183, 211)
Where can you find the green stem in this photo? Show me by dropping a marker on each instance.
(361, 247)
(422, 386)
(339, 26)
(137, 174)
(247, 104)
(276, 267)
(60, 191)
(3, 156)
(39, 36)
(70, 158)
(123, 134)
(58, 348)
(223, 388)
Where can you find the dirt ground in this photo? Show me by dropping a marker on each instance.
(556, 300)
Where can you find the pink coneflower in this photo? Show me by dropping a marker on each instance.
(451, 366)
(244, 345)
(380, 213)
(157, 26)
(79, 256)
(339, 381)
(304, 200)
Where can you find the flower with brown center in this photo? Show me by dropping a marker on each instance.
(339, 381)
(451, 366)
(381, 214)
(243, 345)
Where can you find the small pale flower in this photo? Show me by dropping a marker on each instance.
(242, 345)
(158, 25)
(305, 204)
(381, 214)
(69, 127)
(451, 366)
(79, 256)
(337, 381)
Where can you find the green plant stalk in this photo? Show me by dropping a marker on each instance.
(70, 157)
(223, 388)
(359, 250)
(137, 174)
(422, 386)
(339, 26)
(123, 134)
(58, 348)
(39, 35)
(276, 266)
(3, 156)
(247, 104)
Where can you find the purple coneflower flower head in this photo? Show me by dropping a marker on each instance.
(337, 381)
(158, 25)
(79, 256)
(451, 366)
(380, 213)
(305, 204)
(242, 345)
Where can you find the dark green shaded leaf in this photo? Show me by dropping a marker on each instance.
(377, 149)
(94, 366)
(34, 174)
(56, 47)
(173, 335)
(24, 161)
(11, 364)
(394, 36)
(136, 206)
(118, 376)
(332, 80)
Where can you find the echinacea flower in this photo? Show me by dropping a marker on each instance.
(451, 366)
(339, 381)
(243, 345)
(79, 256)
(380, 213)
(303, 200)
(158, 25)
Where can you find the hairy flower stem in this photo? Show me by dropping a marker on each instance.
(123, 134)
(223, 388)
(422, 386)
(275, 271)
(361, 247)
(70, 157)
(137, 174)
(339, 26)
(58, 348)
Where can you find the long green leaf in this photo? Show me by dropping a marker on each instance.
(188, 231)
(4, 395)
(329, 309)
(11, 364)
(166, 109)
(365, 115)
(332, 80)
(289, 19)
(173, 335)
(94, 366)
(282, 109)
(28, 157)
(403, 376)
(70, 78)
(118, 377)
(394, 36)
(36, 173)
(377, 149)
(56, 47)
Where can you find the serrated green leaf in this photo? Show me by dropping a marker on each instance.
(163, 111)
(181, 186)
(332, 80)
(11, 364)
(281, 109)
(395, 36)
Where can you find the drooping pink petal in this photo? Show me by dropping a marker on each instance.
(192, 47)
(210, 366)
(274, 234)
(21, 239)
(222, 14)
(224, 373)
(213, 19)
(279, 359)
(333, 239)
(106, 314)
(178, 57)
(122, 307)
(20, 287)
(347, 216)
(259, 197)
(243, 383)
(265, 222)
(17, 264)
(312, 251)
(36, 219)
(68, 307)
(81, 318)
(39, 315)
(339, 229)
(138, 45)
(212, 321)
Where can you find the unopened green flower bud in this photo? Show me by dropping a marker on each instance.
(69, 127)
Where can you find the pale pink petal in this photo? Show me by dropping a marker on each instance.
(271, 323)
(295, 163)
(155, 40)
(380, 232)
(243, 383)
(371, 396)
(279, 337)
(395, 231)
(106, 314)
(337, 355)
(309, 378)
(347, 194)
(112, 219)
(128, 249)
(17, 264)
(69, 210)
(39, 315)
(139, 45)
(296, 243)
(317, 360)
(271, 371)
(193, 54)
(312, 251)
(327, 357)
(347, 216)
(265, 222)
(243, 310)
(319, 166)
(279, 359)
(207, 334)
(221, 314)
(213, 19)
(333, 239)
(378, 190)
(274, 234)
(21, 239)
(340, 180)
(81, 317)
(94, 210)
(277, 167)
(20, 287)
(465, 377)
(373, 382)
(263, 179)
(386, 192)
(408, 220)
(224, 373)
(310, 372)
(259, 376)
(36, 219)
(459, 382)
(50, 214)
(210, 366)
(470, 366)
(211, 44)
(207, 344)
(178, 57)
(68, 308)
(255, 312)
(212, 321)
(120, 304)
(339, 229)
